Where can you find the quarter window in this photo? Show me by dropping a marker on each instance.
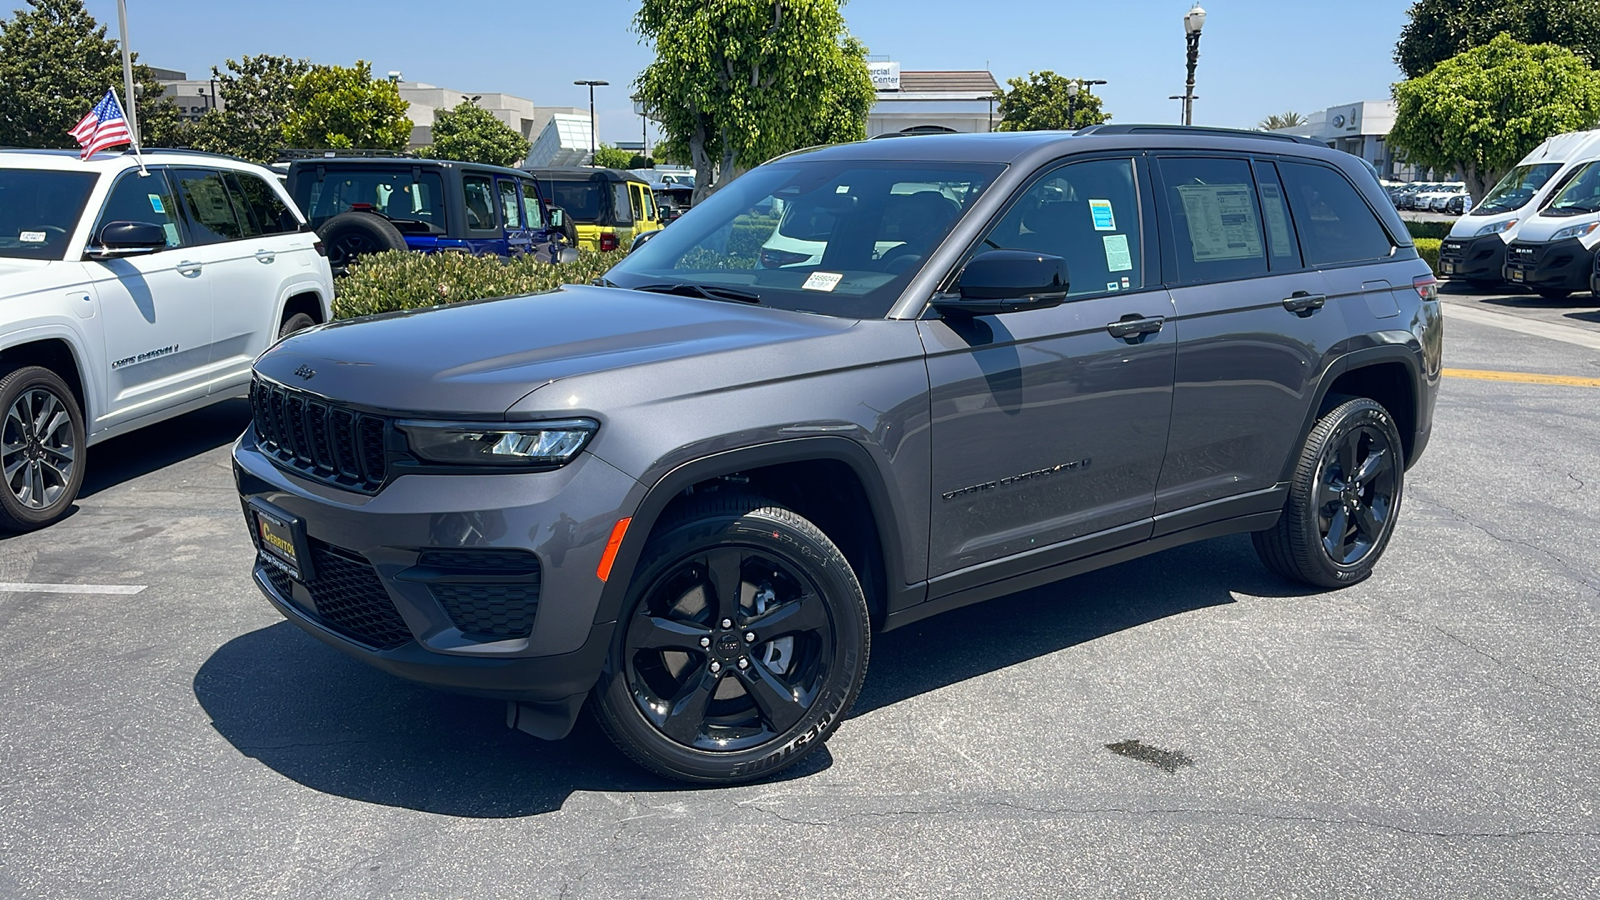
(270, 212)
(140, 198)
(1281, 243)
(1216, 223)
(1086, 213)
(510, 204)
(480, 202)
(212, 216)
(622, 203)
(1336, 225)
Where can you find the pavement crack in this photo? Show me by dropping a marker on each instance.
(1572, 571)
(783, 818)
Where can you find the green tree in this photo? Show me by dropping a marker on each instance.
(341, 108)
(1439, 29)
(471, 133)
(258, 94)
(1042, 102)
(737, 82)
(640, 161)
(1275, 121)
(55, 64)
(1483, 110)
(611, 157)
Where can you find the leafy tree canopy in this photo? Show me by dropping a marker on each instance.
(1482, 111)
(737, 82)
(341, 108)
(1275, 121)
(612, 157)
(471, 133)
(1440, 29)
(55, 64)
(258, 94)
(1041, 102)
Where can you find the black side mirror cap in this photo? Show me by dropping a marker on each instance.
(639, 240)
(1002, 281)
(129, 238)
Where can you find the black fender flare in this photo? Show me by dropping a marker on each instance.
(728, 462)
(1407, 354)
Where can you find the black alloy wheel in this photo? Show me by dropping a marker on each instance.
(41, 448)
(1344, 499)
(351, 235)
(744, 644)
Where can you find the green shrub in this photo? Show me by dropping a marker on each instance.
(1429, 229)
(385, 282)
(1428, 249)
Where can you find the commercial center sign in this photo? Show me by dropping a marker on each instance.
(885, 75)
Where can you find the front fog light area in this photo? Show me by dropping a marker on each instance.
(531, 444)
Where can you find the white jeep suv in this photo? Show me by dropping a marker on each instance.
(128, 297)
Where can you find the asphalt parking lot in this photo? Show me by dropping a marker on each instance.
(1428, 733)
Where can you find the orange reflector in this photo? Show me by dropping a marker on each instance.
(610, 556)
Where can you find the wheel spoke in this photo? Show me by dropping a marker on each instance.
(59, 419)
(723, 573)
(1367, 524)
(1376, 463)
(11, 470)
(807, 613)
(656, 633)
(1328, 493)
(35, 484)
(1334, 543)
(1347, 456)
(15, 414)
(777, 701)
(47, 411)
(686, 712)
(62, 453)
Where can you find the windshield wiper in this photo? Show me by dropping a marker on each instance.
(708, 292)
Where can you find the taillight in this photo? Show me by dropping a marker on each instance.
(608, 241)
(322, 250)
(777, 259)
(1427, 287)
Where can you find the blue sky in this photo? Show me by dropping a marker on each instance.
(1256, 57)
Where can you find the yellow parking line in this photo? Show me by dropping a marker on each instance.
(1522, 377)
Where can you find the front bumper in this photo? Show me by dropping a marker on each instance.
(1473, 259)
(1558, 265)
(370, 592)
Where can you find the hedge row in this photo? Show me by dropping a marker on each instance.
(384, 282)
(1428, 249)
(1429, 229)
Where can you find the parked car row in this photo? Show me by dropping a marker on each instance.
(1448, 197)
(1538, 227)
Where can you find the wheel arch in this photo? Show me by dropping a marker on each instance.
(302, 299)
(1391, 375)
(852, 506)
(59, 356)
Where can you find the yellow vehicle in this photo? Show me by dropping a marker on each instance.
(608, 207)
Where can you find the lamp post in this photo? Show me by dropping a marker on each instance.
(594, 144)
(1075, 87)
(1193, 21)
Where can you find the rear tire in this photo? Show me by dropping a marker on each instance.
(1553, 294)
(1344, 499)
(349, 236)
(296, 322)
(697, 700)
(41, 448)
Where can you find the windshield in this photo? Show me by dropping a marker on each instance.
(1516, 190)
(38, 210)
(1581, 195)
(584, 201)
(838, 238)
(412, 199)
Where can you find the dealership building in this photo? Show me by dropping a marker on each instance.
(940, 102)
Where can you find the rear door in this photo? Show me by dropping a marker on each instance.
(272, 254)
(484, 234)
(518, 237)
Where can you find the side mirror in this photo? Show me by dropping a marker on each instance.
(129, 239)
(566, 255)
(1002, 281)
(639, 240)
(558, 217)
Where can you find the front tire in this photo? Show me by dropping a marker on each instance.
(743, 644)
(1553, 293)
(1343, 501)
(41, 448)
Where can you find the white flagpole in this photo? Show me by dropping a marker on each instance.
(129, 109)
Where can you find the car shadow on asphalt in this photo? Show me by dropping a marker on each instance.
(157, 446)
(337, 726)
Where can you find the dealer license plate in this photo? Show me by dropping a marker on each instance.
(1447, 269)
(278, 540)
(1516, 274)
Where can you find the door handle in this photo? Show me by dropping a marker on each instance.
(188, 268)
(1303, 304)
(265, 256)
(1134, 326)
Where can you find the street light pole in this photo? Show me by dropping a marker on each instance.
(594, 143)
(1193, 21)
(1075, 87)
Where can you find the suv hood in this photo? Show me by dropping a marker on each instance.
(1541, 227)
(478, 359)
(25, 276)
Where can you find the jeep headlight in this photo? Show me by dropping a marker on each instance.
(1496, 228)
(552, 443)
(1574, 231)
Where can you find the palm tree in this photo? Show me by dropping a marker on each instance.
(1289, 119)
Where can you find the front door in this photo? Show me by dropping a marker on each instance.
(156, 307)
(1047, 426)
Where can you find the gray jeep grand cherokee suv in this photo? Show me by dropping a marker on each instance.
(858, 386)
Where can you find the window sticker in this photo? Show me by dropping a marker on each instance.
(1124, 282)
(1277, 223)
(1118, 257)
(157, 205)
(1104, 218)
(1222, 221)
(32, 237)
(1111, 286)
(822, 281)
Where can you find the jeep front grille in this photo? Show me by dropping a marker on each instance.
(318, 439)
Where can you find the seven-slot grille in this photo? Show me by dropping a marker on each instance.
(318, 439)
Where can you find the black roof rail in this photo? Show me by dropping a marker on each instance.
(289, 154)
(1200, 130)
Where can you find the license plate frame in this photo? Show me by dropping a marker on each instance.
(1447, 268)
(1516, 275)
(280, 539)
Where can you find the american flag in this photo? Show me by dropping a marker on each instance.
(104, 126)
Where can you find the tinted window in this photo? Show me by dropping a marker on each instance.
(1282, 244)
(272, 216)
(39, 210)
(1581, 194)
(480, 202)
(1086, 213)
(622, 202)
(212, 216)
(1336, 225)
(1216, 224)
(530, 196)
(137, 198)
(510, 204)
(405, 196)
(584, 201)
